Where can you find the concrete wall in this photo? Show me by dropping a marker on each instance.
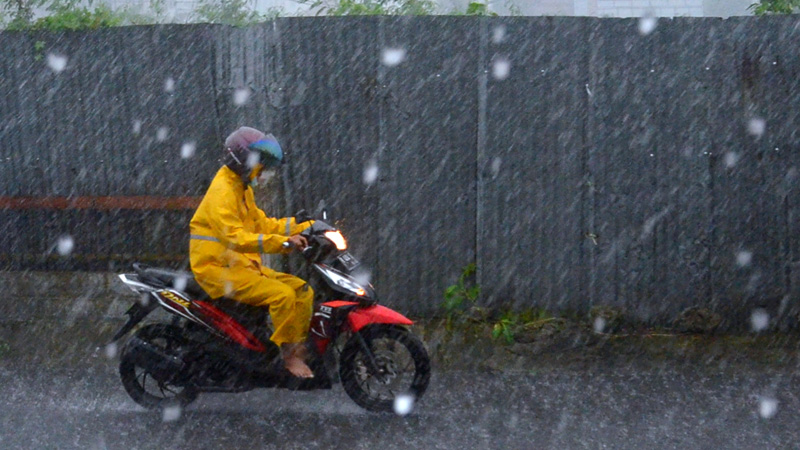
(576, 161)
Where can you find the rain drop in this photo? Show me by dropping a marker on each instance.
(371, 173)
(110, 350)
(498, 34)
(767, 407)
(65, 245)
(187, 150)
(731, 158)
(162, 133)
(647, 24)
(403, 404)
(744, 258)
(391, 57)
(57, 63)
(759, 320)
(171, 413)
(756, 126)
(169, 85)
(137, 126)
(501, 67)
(241, 96)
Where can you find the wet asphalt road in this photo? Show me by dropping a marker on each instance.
(596, 406)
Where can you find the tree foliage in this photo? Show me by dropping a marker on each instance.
(228, 12)
(775, 7)
(371, 7)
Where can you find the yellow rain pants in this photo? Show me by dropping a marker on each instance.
(228, 234)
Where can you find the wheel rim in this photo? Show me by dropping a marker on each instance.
(151, 388)
(394, 371)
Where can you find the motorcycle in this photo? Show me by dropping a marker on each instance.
(220, 345)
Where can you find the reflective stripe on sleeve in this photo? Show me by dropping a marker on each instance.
(288, 226)
(203, 238)
(261, 243)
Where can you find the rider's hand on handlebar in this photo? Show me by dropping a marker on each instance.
(298, 242)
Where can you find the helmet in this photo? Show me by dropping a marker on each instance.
(248, 150)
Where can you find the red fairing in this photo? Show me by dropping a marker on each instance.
(230, 327)
(362, 317)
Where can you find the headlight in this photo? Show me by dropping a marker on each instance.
(337, 239)
(341, 280)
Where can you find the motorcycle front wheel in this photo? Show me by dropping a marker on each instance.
(382, 362)
(151, 390)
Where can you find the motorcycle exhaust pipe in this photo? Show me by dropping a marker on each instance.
(160, 364)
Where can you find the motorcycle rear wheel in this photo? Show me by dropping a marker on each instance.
(398, 365)
(150, 392)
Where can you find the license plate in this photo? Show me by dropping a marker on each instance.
(348, 261)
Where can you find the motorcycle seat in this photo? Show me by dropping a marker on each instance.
(176, 279)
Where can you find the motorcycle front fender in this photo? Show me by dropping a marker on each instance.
(361, 317)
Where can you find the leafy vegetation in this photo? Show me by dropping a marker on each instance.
(458, 296)
(371, 7)
(775, 7)
(230, 12)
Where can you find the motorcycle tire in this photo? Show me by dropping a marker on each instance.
(135, 378)
(358, 374)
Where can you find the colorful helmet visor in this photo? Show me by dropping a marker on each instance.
(269, 149)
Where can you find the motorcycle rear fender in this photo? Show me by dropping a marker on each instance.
(361, 317)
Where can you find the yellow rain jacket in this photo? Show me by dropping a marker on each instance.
(228, 234)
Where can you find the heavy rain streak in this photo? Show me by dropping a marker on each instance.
(562, 224)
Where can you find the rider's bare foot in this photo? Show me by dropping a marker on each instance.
(293, 358)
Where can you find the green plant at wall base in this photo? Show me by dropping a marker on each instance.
(504, 328)
(775, 7)
(511, 321)
(464, 291)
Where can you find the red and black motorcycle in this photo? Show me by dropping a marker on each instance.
(219, 345)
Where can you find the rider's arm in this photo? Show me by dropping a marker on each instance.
(228, 226)
(286, 226)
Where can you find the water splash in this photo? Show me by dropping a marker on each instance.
(731, 158)
(56, 63)
(110, 350)
(403, 404)
(188, 149)
(391, 57)
(759, 320)
(497, 162)
(171, 413)
(241, 96)
(499, 34)
(647, 23)
(371, 172)
(767, 407)
(756, 126)
(744, 258)
(162, 133)
(179, 283)
(501, 68)
(65, 245)
(599, 325)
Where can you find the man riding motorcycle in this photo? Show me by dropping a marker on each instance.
(229, 233)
